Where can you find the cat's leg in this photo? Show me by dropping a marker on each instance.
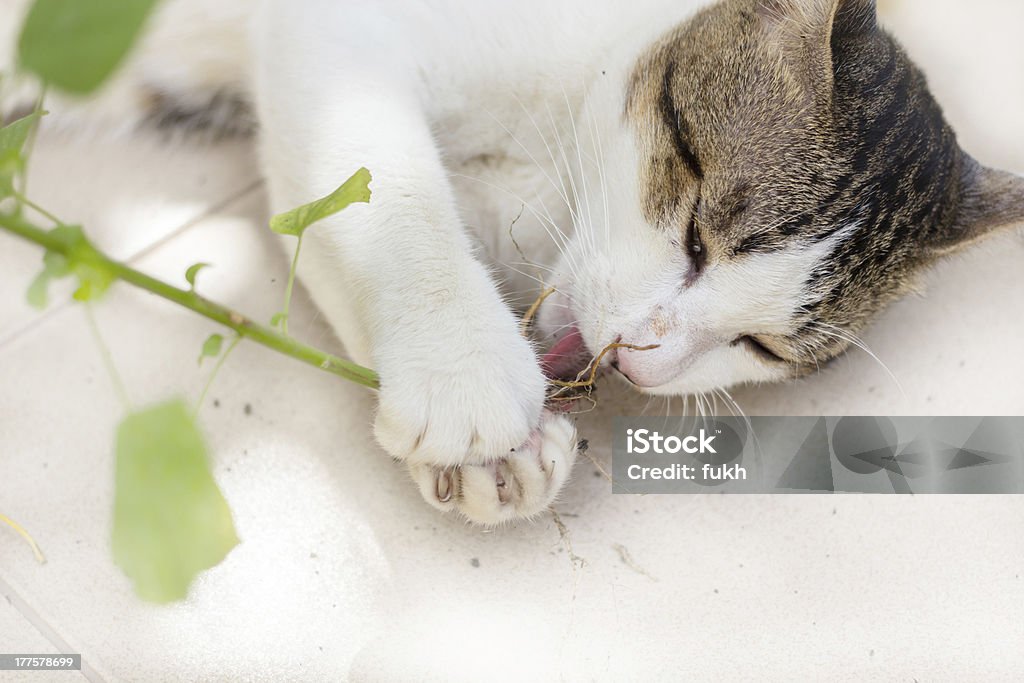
(398, 281)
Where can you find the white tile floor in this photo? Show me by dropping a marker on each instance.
(344, 574)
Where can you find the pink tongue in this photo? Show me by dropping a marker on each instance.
(567, 358)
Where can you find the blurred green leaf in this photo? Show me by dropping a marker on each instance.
(76, 44)
(278, 319)
(295, 222)
(81, 260)
(55, 266)
(193, 270)
(93, 281)
(12, 140)
(85, 263)
(211, 347)
(14, 135)
(170, 519)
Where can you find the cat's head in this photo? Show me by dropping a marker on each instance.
(762, 182)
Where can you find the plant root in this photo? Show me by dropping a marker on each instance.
(531, 312)
(20, 530)
(565, 538)
(584, 388)
(628, 560)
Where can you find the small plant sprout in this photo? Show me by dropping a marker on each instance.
(295, 222)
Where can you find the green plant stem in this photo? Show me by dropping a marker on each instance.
(204, 307)
(108, 359)
(214, 373)
(22, 199)
(290, 286)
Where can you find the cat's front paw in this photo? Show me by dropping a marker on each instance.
(522, 484)
(468, 401)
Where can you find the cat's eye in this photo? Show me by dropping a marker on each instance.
(759, 348)
(694, 245)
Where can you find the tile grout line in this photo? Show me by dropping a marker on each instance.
(237, 196)
(45, 630)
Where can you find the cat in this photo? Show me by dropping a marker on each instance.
(737, 186)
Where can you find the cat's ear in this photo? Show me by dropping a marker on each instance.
(811, 31)
(990, 200)
(827, 19)
(853, 19)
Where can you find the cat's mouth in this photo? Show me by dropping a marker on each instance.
(568, 358)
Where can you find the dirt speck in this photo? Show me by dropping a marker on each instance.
(475, 562)
(248, 409)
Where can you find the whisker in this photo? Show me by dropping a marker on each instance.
(560, 189)
(532, 158)
(560, 146)
(582, 170)
(545, 221)
(599, 152)
(850, 338)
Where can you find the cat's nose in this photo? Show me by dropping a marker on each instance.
(625, 362)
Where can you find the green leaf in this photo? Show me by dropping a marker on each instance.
(211, 347)
(278, 319)
(192, 271)
(82, 260)
(12, 140)
(54, 266)
(295, 222)
(76, 44)
(14, 135)
(93, 281)
(170, 519)
(85, 263)
(38, 294)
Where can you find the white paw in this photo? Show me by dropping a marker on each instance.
(522, 484)
(467, 400)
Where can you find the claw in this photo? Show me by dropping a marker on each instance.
(504, 491)
(444, 485)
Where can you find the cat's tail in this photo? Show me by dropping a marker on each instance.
(188, 69)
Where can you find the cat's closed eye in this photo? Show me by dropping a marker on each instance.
(694, 244)
(759, 348)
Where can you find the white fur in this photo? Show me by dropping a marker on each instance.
(468, 114)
